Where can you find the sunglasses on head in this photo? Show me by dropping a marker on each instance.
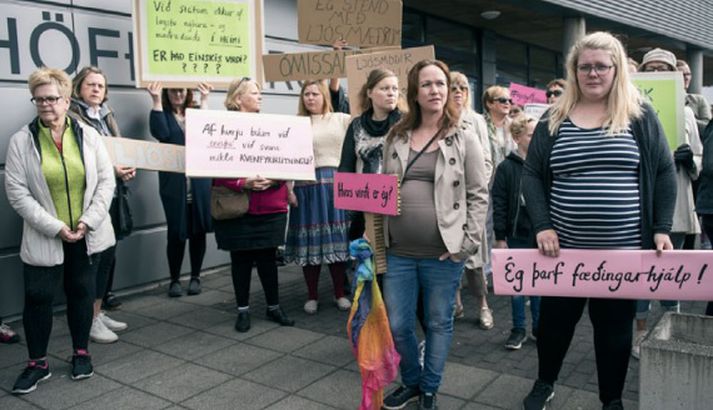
(555, 93)
(503, 100)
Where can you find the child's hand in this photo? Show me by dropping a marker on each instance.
(500, 244)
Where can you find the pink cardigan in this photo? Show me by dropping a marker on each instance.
(270, 201)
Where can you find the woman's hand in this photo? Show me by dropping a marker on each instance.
(339, 44)
(67, 235)
(155, 90)
(125, 173)
(292, 198)
(257, 183)
(500, 244)
(204, 89)
(450, 256)
(662, 242)
(81, 231)
(548, 243)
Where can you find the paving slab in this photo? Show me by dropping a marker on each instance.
(138, 366)
(330, 350)
(505, 391)
(201, 317)
(124, 398)
(157, 334)
(298, 403)
(15, 403)
(341, 389)
(102, 353)
(168, 309)
(182, 382)
(210, 297)
(285, 338)
(194, 345)
(290, 373)
(12, 355)
(227, 329)
(465, 382)
(239, 358)
(235, 394)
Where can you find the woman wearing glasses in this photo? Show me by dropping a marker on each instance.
(253, 238)
(59, 178)
(186, 201)
(599, 137)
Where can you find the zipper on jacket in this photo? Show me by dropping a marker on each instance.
(66, 185)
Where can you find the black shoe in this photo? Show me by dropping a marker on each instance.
(518, 336)
(82, 366)
(540, 395)
(110, 302)
(242, 324)
(614, 405)
(35, 372)
(278, 316)
(194, 287)
(399, 398)
(427, 401)
(175, 290)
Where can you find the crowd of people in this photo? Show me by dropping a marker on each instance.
(468, 183)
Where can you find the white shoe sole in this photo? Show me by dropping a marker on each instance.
(33, 387)
(411, 400)
(83, 376)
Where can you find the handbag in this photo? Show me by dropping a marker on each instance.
(226, 203)
(120, 211)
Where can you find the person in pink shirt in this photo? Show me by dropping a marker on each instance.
(253, 238)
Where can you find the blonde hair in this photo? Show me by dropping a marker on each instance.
(47, 76)
(490, 93)
(518, 126)
(323, 89)
(458, 78)
(624, 101)
(236, 89)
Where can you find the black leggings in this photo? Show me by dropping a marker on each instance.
(105, 271)
(708, 229)
(176, 248)
(79, 273)
(611, 319)
(242, 268)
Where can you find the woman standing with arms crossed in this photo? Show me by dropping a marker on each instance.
(598, 139)
(186, 201)
(254, 237)
(59, 179)
(317, 231)
(444, 198)
(89, 96)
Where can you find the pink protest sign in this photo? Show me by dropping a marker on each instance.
(675, 275)
(229, 144)
(375, 193)
(522, 94)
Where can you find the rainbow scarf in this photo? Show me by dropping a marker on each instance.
(369, 331)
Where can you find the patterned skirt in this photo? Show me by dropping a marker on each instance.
(317, 232)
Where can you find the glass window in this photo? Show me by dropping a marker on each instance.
(455, 36)
(510, 51)
(412, 27)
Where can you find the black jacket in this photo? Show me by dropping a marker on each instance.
(704, 201)
(657, 177)
(510, 218)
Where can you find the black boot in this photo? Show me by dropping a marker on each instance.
(242, 324)
(278, 316)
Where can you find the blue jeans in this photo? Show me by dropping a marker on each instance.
(519, 321)
(437, 281)
(643, 306)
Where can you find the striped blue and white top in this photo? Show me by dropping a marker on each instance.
(594, 200)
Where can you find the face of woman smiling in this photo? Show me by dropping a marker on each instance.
(432, 89)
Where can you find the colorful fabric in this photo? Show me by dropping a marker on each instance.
(317, 231)
(369, 331)
(64, 172)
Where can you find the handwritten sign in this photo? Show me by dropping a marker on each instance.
(535, 110)
(664, 90)
(361, 23)
(522, 94)
(229, 144)
(675, 275)
(154, 156)
(184, 42)
(375, 193)
(398, 61)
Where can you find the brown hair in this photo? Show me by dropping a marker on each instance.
(82, 75)
(46, 76)
(187, 103)
(236, 89)
(374, 77)
(322, 87)
(558, 82)
(412, 119)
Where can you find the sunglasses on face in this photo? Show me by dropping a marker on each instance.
(461, 88)
(555, 93)
(503, 100)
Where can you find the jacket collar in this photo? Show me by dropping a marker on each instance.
(77, 130)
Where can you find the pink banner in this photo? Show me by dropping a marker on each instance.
(375, 193)
(675, 275)
(522, 94)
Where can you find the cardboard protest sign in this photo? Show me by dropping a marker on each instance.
(664, 90)
(184, 42)
(139, 154)
(675, 275)
(522, 94)
(535, 110)
(398, 61)
(230, 144)
(375, 193)
(361, 23)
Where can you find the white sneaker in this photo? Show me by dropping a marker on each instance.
(343, 303)
(111, 324)
(311, 307)
(636, 347)
(99, 333)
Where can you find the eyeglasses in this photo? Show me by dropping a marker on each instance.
(555, 93)
(600, 69)
(503, 100)
(655, 68)
(51, 100)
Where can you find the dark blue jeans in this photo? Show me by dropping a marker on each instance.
(517, 303)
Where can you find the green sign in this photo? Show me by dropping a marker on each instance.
(198, 40)
(664, 90)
